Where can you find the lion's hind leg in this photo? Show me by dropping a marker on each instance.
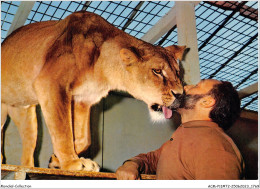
(26, 121)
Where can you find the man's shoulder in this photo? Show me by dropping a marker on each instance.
(206, 137)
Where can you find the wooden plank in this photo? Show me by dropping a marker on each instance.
(21, 15)
(59, 172)
(161, 27)
(248, 90)
(249, 115)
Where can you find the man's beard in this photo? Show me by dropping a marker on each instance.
(187, 102)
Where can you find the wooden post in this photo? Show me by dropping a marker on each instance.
(187, 35)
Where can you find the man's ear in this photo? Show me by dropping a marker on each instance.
(207, 102)
(128, 56)
(177, 51)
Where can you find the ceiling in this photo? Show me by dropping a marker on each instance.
(227, 32)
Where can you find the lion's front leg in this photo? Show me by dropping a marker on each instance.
(55, 103)
(81, 126)
(82, 134)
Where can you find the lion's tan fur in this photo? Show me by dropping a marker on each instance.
(67, 66)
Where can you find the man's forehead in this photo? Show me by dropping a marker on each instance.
(210, 81)
(208, 84)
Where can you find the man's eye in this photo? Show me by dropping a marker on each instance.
(157, 71)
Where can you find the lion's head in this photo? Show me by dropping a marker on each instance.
(154, 78)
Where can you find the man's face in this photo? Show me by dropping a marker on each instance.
(193, 93)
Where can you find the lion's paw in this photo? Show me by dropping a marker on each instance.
(80, 164)
(73, 165)
(90, 165)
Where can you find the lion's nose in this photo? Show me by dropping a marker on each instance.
(176, 95)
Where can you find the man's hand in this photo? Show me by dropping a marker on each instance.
(128, 171)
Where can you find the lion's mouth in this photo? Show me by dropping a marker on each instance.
(165, 110)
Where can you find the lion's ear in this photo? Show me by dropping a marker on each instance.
(128, 56)
(177, 51)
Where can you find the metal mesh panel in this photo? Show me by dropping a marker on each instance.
(8, 10)
(115, 12)
(52, 10)
(230, 39)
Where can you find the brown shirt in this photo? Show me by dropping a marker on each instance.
(197, 150)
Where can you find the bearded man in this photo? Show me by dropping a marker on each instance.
(199, 149)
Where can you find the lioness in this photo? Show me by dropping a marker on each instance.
(67, 66)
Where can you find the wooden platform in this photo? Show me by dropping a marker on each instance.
(15, 172)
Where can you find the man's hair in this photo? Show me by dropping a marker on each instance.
(227, 107)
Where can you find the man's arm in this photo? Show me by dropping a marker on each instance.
(142, 163)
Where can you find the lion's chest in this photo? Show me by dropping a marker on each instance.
(90, 92)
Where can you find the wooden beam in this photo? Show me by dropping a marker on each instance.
(248, 90)
(163, 25)
(246, 11)
(249, 115)
(21, 15)
(187, 35)
(59, 172)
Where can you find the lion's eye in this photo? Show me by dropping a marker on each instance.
(157, 71)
